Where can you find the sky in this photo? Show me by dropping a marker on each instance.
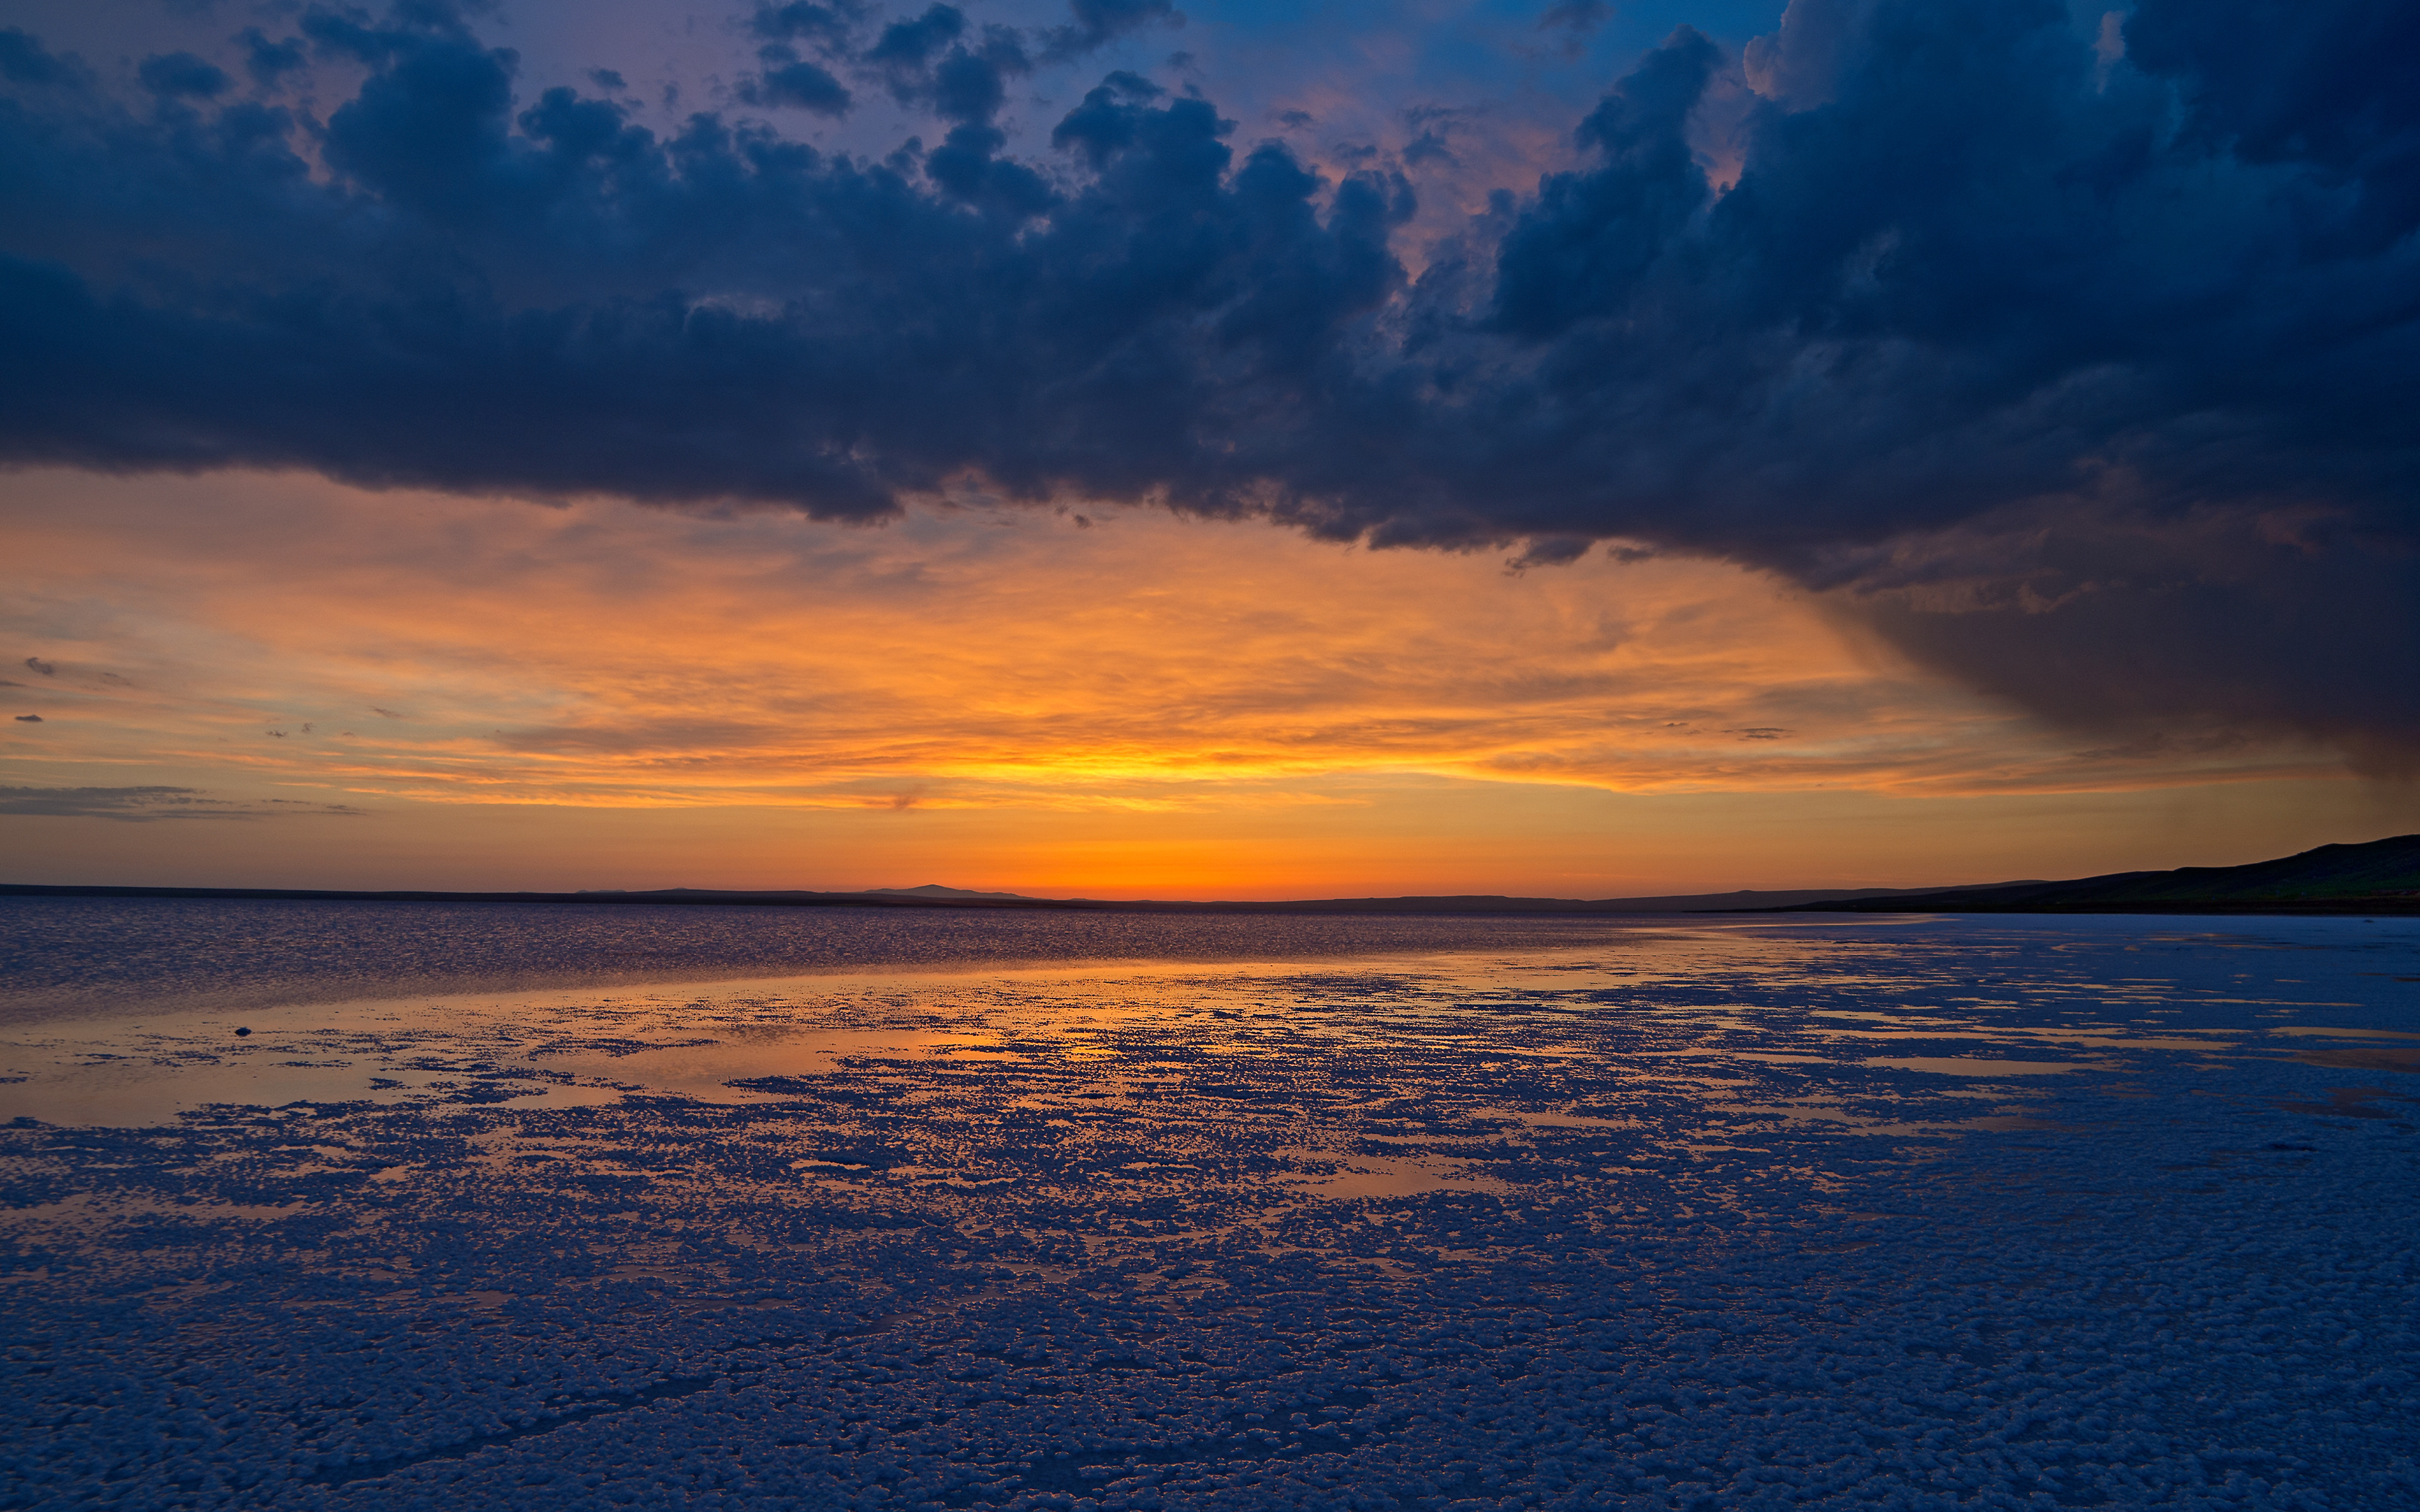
(1242, 450)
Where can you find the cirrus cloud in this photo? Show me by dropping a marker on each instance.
(144, 804)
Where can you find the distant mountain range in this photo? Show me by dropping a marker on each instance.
(2379, 878)
(1696, 902)
(934, 895)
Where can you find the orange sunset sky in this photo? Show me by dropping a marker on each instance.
(1211, 451)
(324, 687)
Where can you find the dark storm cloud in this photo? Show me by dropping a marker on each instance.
(1577, 20)
(24, 61)
(268, 62)
(2080, 364)
(790, 80)
(829, 27)
(183, 74)
(1099, 23)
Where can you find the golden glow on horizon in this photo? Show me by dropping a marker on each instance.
(1145, 705)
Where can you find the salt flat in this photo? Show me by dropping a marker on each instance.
(1660, 1213)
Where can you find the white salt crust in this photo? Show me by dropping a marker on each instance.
(2079, 1213)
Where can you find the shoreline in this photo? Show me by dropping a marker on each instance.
(1867, 901)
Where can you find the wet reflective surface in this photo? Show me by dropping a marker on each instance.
(1578, 1214)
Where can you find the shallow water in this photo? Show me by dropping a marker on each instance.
(99, 956)
(1583, 1214)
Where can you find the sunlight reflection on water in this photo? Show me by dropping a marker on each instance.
(1245, 1208)
(1703, 1002)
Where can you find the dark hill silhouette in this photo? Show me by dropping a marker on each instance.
(2382, 876)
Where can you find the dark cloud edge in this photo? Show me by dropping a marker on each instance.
(2084, 378)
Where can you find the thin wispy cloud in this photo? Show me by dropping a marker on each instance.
(146, 804)
(1143, 663)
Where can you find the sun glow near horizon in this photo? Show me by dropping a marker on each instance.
(1118, 701)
